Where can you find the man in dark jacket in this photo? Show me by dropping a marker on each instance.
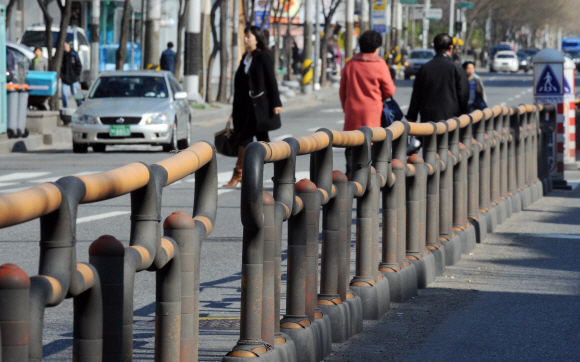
(168, 58)
(70, 74)
(441, 88)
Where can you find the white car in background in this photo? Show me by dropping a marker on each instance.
(35, 37)
(506, 61)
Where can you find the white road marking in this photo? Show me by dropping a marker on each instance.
(106, 215)
(502, 104)
(404, 107)
(313, 129)
(510, 99)
(332, 110)
(340, 122)
(4, 184)
(7, 191)
(281, 137)
(517, 96)
(22, 176)
(55, 178)
(224, 191)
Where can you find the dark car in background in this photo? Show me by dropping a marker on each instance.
(525, 61)
(416, 60)
(493, 51)
(531, 52)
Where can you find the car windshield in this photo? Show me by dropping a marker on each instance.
(130, 86)
(572, 53)
(505, 56)
(421, 55)
(498, 48)
(37, 38)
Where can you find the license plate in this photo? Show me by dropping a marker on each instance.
(120, 131)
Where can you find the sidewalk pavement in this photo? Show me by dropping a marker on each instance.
(219, 112)
(516, 297)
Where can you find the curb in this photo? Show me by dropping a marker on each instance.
(220, 112)
(61, 139)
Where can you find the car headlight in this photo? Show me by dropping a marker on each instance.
(524, 62)
(156, 118)
(86, 119)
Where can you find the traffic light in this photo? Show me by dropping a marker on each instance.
(458, 26)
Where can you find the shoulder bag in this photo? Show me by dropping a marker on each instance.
(226, 142)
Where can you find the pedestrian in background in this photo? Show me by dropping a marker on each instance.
(441, 88)
(70, 74)
(257, 104)
(364, 84)
(167, 61)
(39, 63)
(477, 97)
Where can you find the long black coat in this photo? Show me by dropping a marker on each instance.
(440, 91)
(264, 94)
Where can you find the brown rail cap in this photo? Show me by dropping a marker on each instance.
(107, 245)
(12, 277)
(179, 220)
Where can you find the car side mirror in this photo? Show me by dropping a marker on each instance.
(79, 96)
(180, 95)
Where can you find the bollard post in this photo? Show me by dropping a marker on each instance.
(269, 270)
(512, 161)
(432, 163)
(107, 255)
(503, 129)
(88, 316)
(473, 213)
(180, 227)
(333, 262)
(470, 234)
(14, 293)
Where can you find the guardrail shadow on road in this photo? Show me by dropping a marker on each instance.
(476, 170)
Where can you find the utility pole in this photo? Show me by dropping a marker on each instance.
(426, 25)
(348, 40)
(451, 17)
(406, 27)
(364, 16)
(307, 69)
(235, 35)
(192, 51)
(317, 46)
(152, 26)
(95, 36)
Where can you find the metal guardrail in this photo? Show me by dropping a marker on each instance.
(475, 171)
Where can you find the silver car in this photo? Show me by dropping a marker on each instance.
(417, 59)
(133, 107)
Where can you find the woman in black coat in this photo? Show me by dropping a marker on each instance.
(257, 104)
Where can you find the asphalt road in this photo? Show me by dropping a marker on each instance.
(221, 252)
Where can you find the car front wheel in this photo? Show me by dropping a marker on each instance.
(80, 148)
(184, 143)
(172, 145)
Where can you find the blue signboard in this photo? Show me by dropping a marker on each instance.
(548, 83)
(259, 17)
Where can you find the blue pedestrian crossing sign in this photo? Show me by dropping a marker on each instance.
(548, 83)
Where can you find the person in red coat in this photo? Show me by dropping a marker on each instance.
(364, 84)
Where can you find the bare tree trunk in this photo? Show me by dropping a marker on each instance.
(277, 48)
(9, 12)
(323, 46)
(48, 30)
(216, 47)
(55, 63)
(121, 53)
(288, 46)
(224, 28)
(182, 21)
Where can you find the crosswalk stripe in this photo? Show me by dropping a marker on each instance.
(22, 176)
(107, 215)
(55, 178)
(281, 137)
(4, 184)
(7, 191)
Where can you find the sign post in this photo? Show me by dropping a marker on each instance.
(379, 16)
(3, 122)
(549, 88)
(570, 115)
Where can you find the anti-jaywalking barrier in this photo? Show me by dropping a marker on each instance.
(476, 170)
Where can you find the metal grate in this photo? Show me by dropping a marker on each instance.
(126, 120)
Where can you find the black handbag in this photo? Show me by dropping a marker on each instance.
(226, 142)
(391, 112)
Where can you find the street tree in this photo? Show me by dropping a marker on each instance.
(121, 54)
(328, 13)
(181, 22)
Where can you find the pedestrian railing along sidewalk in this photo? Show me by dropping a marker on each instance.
(477, 170)
(103, 288)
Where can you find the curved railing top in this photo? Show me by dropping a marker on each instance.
(29, 204)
